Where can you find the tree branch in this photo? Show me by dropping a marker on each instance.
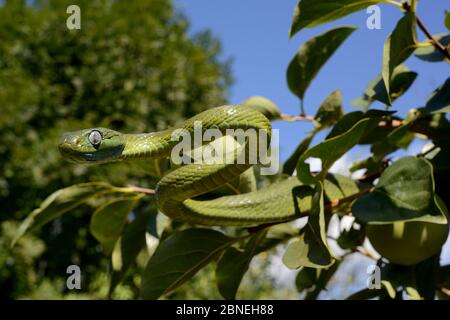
(422, 27)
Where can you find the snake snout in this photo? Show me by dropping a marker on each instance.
(69, 146)
(68, 138)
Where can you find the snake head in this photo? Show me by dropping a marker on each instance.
(91, 145)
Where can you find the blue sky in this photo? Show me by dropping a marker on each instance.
(255, 34)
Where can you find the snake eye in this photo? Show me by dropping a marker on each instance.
(95, 138)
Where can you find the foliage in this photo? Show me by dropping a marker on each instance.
(389, 191)
(133, 67)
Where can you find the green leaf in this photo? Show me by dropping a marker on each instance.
(402, 79)
(291, 163)
(389, 287)
(371, 165)
(331, 150)
(404, 192)
(365, 294)
(60, 202)
(129, 245)
(108, 220)
(440, 99)
(311, 56)
(312, 248)
(277, 234)
(310, 13)
(401, 137)
(234, 264)
(352, 238)
(351, 118)
(306, 278)
(400, 44)
(345, 123)
(330, 111)
(179, 258)
(413, 294)
(431, 53)
(263, 105)
(337, 186)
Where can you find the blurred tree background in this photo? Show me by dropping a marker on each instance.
(131, 67)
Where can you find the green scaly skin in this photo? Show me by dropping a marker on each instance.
(174, 192)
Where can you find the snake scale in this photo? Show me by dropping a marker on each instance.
(175, 191)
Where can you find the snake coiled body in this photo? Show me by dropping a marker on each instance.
(176, 190)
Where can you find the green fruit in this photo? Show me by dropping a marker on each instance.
(408, 243)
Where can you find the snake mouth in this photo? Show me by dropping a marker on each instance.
(72, 154)
(69, 154)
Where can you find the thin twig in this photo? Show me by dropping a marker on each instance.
(337, 202)
(141, 190)
(297, 118)
(422, 27)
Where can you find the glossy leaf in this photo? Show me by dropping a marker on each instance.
(131, 242)
(400, 44)
(350, 239)
(263, 105)
(306, 278)
(234, 264)
(330, 150)
(404, 192)
(351, 118)
(60, 202)
(402, 79)
(337, 186)
(345, 123)
(108, 220)
(372, 166)
(431, 53)
(365, 294)
(180, 257)
(330, 111)
(310, 13)
(311, 56)
(440, 99)
(277, 234)
(311, 250)
(401, 137)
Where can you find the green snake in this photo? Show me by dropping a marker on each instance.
(175, 191)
